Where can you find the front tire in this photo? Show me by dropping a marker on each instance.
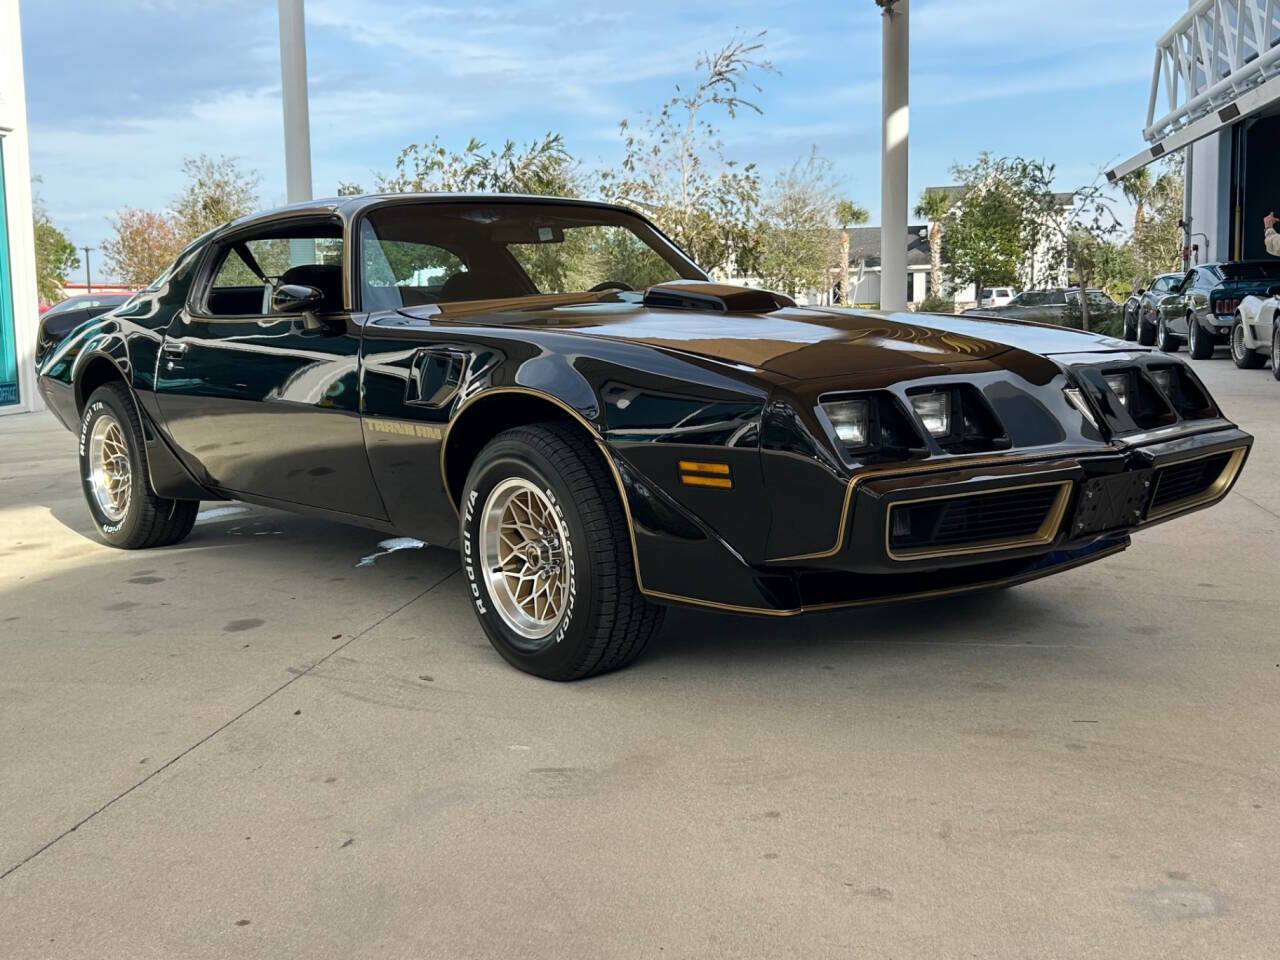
(1199, 343)
(1275, 350)
(1130, 325)
(1165, 340)
(113, 473)
(1246, 358)
(547, 553)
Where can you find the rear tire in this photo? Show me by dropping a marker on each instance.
(113, 474)
(1130, 325)
(1165, 340)
(1146, 333)
(541, 516)
(1199, 343)
(1246, 358)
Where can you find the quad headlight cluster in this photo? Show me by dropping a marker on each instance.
(1141, 397)
(879, 422)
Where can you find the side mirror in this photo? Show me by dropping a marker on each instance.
(1273, 290)
(295, 298)
(1141, 291)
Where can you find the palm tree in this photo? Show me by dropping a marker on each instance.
(933, 206)
(1137, 186)
(848, 213)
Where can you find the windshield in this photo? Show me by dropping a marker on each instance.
(423, 253)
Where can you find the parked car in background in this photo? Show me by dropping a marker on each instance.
(996, 296)
(1255, 332)
(1060, 306)
(1201, 310)
(1142, 308)
(553, 388)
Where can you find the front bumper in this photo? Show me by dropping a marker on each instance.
(1093, 502)
(1087, 498)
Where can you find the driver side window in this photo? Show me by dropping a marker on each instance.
(251, 268)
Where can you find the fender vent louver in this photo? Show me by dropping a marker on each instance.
(719, 297)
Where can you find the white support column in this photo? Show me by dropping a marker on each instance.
(893, 155)
(297, 120)
(22, 290)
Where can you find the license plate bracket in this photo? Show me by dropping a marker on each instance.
(1112, 502)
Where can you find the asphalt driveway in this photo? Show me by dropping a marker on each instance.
(250, 745)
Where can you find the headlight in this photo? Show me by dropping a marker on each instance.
(851, 420)
(1163, 379)
(934, 411)
(1119, 384)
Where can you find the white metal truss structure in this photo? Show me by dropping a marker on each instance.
(1220, 61)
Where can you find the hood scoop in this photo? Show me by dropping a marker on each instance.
(718, 297)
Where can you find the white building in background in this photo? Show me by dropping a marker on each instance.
(1215, 99)
(19, 308)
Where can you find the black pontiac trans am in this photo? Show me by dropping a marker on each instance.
(554, 389)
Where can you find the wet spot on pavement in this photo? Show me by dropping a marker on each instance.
(146, 580)
(248, 623)
(1180, 903)
(123, 605)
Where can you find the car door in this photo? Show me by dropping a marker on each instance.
(1195, 299)
(1172, 308)
(1147, 304)
(262, 402)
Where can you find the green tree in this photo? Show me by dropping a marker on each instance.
(216, 191)
(675, 169)
(796, 248)
(848, 214)
(985, 237)
(55, 255)
(933, 206)
(1137, 187)
(544, 167)
(1100, 261)
(142, 244)
(1157, 247)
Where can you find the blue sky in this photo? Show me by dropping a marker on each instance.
(119, 91)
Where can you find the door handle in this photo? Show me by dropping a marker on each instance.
(172, 349)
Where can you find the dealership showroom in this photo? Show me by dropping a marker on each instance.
(289, 736)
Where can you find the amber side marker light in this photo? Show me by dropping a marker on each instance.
(696, 473)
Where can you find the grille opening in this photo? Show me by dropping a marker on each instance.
(1182, 481)
(998, 517)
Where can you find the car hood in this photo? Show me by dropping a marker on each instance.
(796, 342)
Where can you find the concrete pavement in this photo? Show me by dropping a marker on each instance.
(247, 746)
